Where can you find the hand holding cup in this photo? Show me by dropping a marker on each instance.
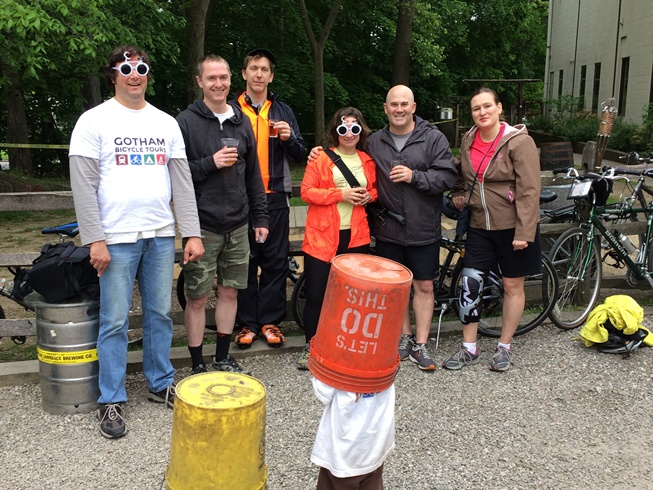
(230, 150)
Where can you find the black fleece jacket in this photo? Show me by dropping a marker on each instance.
(224, 196)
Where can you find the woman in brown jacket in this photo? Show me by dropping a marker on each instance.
(500, 181)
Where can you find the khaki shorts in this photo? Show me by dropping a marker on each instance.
(225, 254)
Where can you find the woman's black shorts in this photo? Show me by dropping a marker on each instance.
(484, 249)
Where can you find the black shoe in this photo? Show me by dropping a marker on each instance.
(166, 396)
(229, 364)
(201, 368)
(112, 421)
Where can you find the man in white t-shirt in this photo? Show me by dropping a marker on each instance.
(127, 161)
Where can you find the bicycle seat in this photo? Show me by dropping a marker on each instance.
(69, 229)
(547, 196)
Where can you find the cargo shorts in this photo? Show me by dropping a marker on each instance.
(226, 254)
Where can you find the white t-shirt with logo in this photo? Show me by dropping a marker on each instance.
(133, 148)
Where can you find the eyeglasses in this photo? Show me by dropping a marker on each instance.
(126, 68)
(354, 128)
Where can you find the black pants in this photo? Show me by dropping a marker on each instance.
(264, 300)
(317, 275)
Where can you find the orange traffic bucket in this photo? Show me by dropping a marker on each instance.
(355, 347)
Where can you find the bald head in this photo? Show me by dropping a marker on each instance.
(399, 107)
(400, 91)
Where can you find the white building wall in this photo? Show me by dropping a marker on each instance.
(585, 32)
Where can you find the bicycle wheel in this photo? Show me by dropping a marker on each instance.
(298, 300)
(540, 291)
(577, 262)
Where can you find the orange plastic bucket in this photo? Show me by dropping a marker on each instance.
(355, 347)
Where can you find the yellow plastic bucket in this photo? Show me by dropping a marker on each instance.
(218, 415)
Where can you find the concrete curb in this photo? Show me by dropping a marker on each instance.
(27, 372)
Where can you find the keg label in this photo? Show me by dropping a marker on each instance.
(77, 357)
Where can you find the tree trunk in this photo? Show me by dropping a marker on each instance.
(17, 129)
(404, 34)
(91, 92)
(197, 21)
(317, 49)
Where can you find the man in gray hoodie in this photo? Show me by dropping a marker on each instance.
(221, 151)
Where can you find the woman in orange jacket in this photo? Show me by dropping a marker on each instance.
(336, 221)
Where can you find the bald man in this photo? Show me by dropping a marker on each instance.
(414, 167)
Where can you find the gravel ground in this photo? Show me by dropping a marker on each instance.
(563, 417)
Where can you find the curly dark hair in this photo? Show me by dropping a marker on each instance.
(118, 56)
(336, 120)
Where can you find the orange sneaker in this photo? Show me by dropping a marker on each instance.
(273, 335)
(245, 338)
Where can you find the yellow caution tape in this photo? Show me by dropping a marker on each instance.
(25, 145)
(76, 357)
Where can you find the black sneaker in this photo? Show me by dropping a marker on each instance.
(112, 421)
(166, 396)
(229, 365)
(200, 369)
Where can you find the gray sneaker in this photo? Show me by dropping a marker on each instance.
(302, 362)
(229, 364)
(406, 343)
(461, 359)
(420, 356)
(501, 359)
(112, 420)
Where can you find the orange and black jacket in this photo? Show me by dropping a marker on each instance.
(273, 153)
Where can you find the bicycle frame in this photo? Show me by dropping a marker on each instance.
(637, 267)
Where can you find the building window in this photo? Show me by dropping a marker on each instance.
(623, 87)
(650, 96)
(596, 87)
(549, 94)
(583, 80)
(562, 73)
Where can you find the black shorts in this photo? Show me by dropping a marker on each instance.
(484, 249)
(423, 260)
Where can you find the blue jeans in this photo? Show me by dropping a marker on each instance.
(152, 261)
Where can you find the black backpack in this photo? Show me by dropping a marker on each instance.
(63, 271)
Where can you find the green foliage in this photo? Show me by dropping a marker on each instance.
(643, 135)
(622, 139)
(57, 45)
(565, 120)
(576, 130)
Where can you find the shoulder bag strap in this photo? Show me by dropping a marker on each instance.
(342, 167)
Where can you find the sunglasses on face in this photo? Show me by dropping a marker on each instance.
(126, 68)
(354, 128)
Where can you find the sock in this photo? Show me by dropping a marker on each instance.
(470, 347)
(505, 346)
(222, 342)
(196, 355)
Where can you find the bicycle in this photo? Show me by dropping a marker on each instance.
(576, 254)
(19, 288)
(540, 290)
(298, 297)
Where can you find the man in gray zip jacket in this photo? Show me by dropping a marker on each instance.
(414, 167)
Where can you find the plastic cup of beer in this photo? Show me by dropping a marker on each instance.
(274, 131)
(230, 143)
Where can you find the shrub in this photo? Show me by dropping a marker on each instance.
(622, 139)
